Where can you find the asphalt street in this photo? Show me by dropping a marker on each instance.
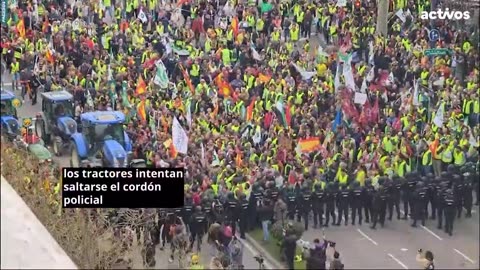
(395, 246)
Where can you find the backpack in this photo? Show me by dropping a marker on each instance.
(430, 266)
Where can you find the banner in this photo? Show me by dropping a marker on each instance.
(4, 10)
(179, 137)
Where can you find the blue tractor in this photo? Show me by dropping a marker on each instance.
(55, 124)
(103, 142)
(8, 117)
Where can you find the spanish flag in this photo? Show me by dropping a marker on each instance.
(264, 78)
(235, 26)
(141, 86)
(224, 88)
(250, 109)
(309, 144)
(21, 28)
(49, 56)
(141, 111)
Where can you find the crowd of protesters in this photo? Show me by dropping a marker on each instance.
(278, 98)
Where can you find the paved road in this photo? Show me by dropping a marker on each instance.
(395, 246)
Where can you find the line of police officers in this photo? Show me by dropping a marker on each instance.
(421, 197)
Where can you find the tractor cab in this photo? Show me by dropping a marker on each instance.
(57, 104)
(103, 141)
(8, 109)
(55, 124)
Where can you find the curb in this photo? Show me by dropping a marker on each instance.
(273, 262)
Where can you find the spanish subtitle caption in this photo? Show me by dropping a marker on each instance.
(122, 188)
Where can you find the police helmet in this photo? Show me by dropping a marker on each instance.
(396, 178)
(243, 196)
(451, 168)
(420, 184)
(230, 196)
(408, 175)
(382, 180)
(198, 208)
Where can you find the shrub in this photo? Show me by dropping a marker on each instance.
(85, 235)
(277, 229)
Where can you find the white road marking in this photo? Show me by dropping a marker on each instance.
(473, 211)
(464, 256)
(404, 249)
(398, 261)
(432, 233)
(254, 252)
(367, 237)
(7, 84)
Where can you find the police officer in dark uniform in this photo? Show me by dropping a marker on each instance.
(343, 204)
(198, 227)
(468, 193)
(408, 201)
(368, 200)
(394, 190)
(357, 195)
(305, 204)
(255, 199)
(431, 194)
(218, 212)
(419, 201)
(291, 200)
(458, 193)
(187, 211)
(439, 200)
(450, 205)
(231, 211)
(318, 205)
(243, 205)
(207, 209)
(330, 201)
(379, 206)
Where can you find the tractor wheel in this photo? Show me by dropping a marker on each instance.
(40, 131)
(74, 157)
(57, 146)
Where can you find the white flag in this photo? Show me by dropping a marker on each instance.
(348, 74)
(415, 94)
(370, 53)
(203, 154)
(400, 14)
(142, 16)
(255, 54)
(337, 78)
(363, 88)
(257, 137)
(472, 140)
(371, 74)
(321, 52)
(216, 160)
(438, 120)
(306, 75)
(189, 113)
(179, 137)
(390, 79)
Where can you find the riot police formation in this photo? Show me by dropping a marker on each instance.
(441, 198)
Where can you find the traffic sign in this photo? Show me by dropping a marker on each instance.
(434, 35)
(435, 52)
